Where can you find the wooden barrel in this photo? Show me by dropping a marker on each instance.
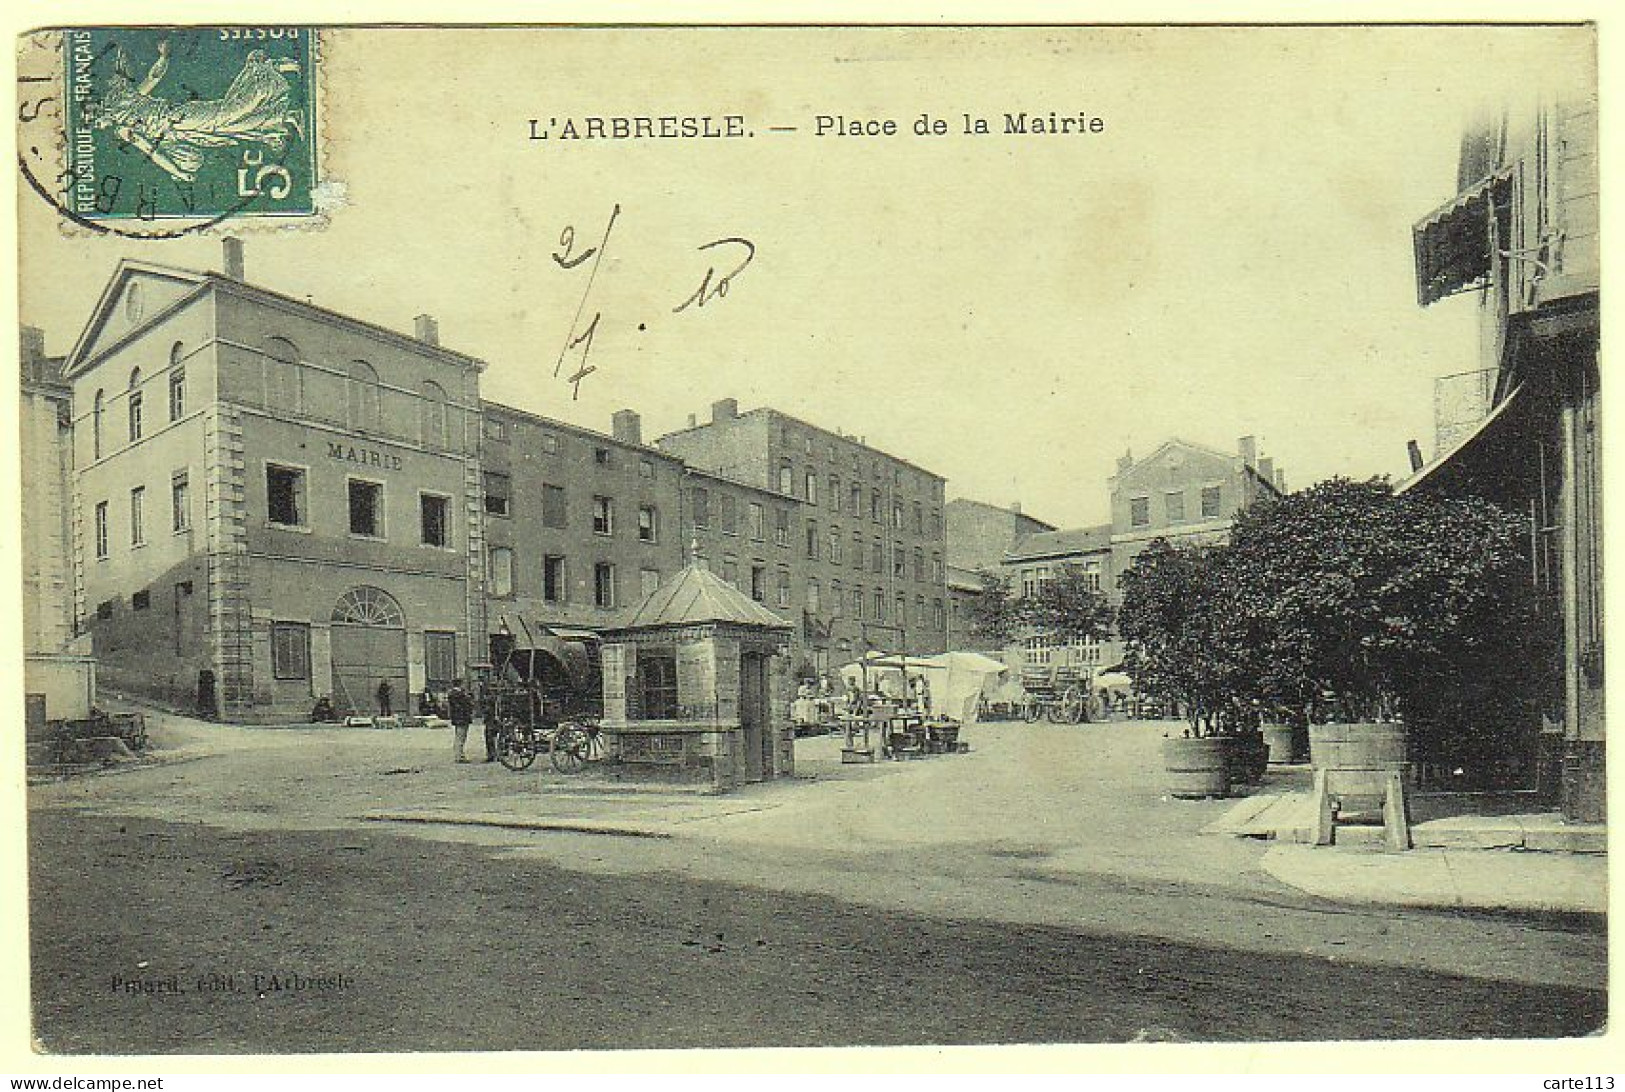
(1197, 767)
(1282, 741)
(1358, 759)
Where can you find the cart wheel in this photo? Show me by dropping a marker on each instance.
(1031, 712)
(572, 748)
(515, 749)
(1069, 709)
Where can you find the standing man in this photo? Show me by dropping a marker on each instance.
(384, 693)
(460, 707)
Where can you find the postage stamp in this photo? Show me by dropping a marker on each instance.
(166, 123)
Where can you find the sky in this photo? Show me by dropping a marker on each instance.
(1229, 256)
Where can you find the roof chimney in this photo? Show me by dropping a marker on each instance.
(693, 420)
(231, 250)
(426, 329)
(1125, 460)
(1266, 469)
(1280, 481)
(627, 427)
(724, 409)
(1415, 451)
(1015, 507)
(1247, 447)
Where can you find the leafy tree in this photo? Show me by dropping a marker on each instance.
(995, 614)
(1169, 622)
(1068, 608)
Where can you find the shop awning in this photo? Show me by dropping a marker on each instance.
(1455, 244)
(1465, 448)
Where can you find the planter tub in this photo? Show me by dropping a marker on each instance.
(1197, 767)
(1358, 759)
(1286, 743)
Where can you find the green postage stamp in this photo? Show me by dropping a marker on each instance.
(193, 123)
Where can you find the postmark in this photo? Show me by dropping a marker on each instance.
(161, 131)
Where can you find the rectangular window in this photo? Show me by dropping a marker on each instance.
(812, 540)
(781, 526)
(836, 603)
(141, 600)
(702, 508)
(730, 513)
(498, 494)
(600, 455)
(648, 524)
(495, 429)
(787, 478)
(101, 529)
(939, 617)
(603, 516)
(899, 561)
(758, 583)
(657, 684)
(553, 508)
(919, 519)
(135, 416)
(938, 574)
(436, 525)
(138, 520)
(550, 443)
(285, 495)
(877, 558)
(758, 522)
(177, 393)
(919, 563)
(603, 584)
(855, 500)
(936, 523)
(897, 516)
(1139, 511)
(1211, 500)
(784, 587)
(857, 604)
(290, 650)
(835, 545)
(366, 508)
(646, 469)
(648, 581)
(834, 493)
(440, 658)
(1174, 503)
(879, 605)
(857, 550)
(874, 505)
(180, 501)
(499, 571)
(730, 570)
(812, 487)
(104, 609)
(814, 597)
(553, 578)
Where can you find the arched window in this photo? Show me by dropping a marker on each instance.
(364, 413)
(284, 381)
(96, 426)
(177, 382)
(134, 399)
(367, 606)
(434, 414)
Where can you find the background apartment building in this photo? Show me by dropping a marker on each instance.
(579, 525)
(859, 534)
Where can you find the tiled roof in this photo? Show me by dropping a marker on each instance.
(1076, 540)
(700, 597)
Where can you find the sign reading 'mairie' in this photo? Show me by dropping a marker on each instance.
(362, 456)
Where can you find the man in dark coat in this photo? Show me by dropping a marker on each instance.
(460, 710)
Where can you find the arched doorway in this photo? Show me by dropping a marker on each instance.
(369, 647)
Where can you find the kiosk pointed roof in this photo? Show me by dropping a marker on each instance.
(699, 597)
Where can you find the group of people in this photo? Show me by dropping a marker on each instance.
(816, 702)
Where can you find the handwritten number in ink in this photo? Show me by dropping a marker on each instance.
(714, 287)
(578, 337)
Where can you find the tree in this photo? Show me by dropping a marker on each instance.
(1173, 601)
(1068, 608)
(995, 614)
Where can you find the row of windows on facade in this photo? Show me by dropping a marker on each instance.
(286, 392)
(1139, 508)
(1040, 651)
(180, 503)
(854, 501)
(788, 437)
(498, 430)
(555, 585)
(1033, 579)
(555, 513)
(829, 546)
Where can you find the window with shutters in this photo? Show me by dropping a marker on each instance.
(290, 650)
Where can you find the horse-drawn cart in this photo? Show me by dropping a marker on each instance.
(544, 695)
(1060, 694)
